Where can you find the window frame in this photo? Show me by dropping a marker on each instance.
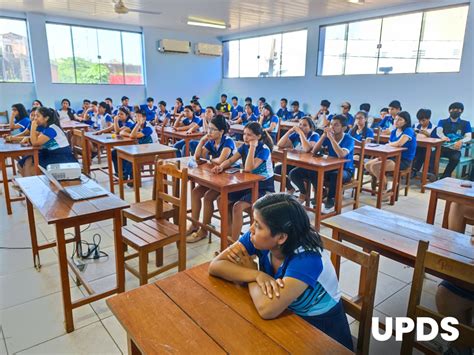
(122, 56)
(29, 51)
(423, 12)
(224, 74)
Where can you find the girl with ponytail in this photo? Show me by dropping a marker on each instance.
(293, 270)
(256, 159)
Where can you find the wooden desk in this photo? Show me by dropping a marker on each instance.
(104, 140)
(396, 237)
(60, 210)
(223, 183)
(170, 133)
(237, 129)
(450, 190)
(192, 312)
(14, 150)
(428, 143)
(320, 165)
(384, 152)
(285, 126)
(4, 129)
(137, 155)
(70, 125)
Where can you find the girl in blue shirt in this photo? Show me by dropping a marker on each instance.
(360, 130)
(294, 271)
(256, 159)
(402, 136)
(19, 118)
(269, 121)
(23, 136)
(216, 146)
(302, 138)
(162, 116)
(189, 123)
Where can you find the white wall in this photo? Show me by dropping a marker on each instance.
(434, 91)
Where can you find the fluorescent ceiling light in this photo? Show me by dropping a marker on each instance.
(356, 1)
(192, 21)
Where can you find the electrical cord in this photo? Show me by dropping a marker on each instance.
(93, 249)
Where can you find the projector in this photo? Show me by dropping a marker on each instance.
(65, 171)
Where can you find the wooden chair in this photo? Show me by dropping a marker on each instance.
(278, 177)
(362, 308)
(153, 235)
(78, 143)
(356, 183)
(407, 175)
(4, 114)
(445, 266)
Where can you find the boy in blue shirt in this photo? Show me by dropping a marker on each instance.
(346, 107)
(424, 128)
(296, 114)
(248, 100)
(85, 106)
(150, 109)
(455, 132)
(386, 125)
(236, 110)
(283, 112)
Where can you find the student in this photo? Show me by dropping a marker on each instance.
(189, 123)
(248, 100)
(90, 116)
(321, 117)
(178, 108)
(424, 128)
(66, 112)
(163, 117)
(46, 133)
(387, 123)
(19, 118)
(301, 138)
(125, 102)
(86, 103)
(294, 271)
(109, 102)
(339, 145)
(216, 146)
(455, 132)
(247, 116)
(346, 107)
(383, 113)
(361, 130)
(150, 109)
(370, 119)
(261, 105)
(37, 103)
(104, 118)
(22, 136)
(269, 121)
(296, 114)
(236, 110)
(197, 108)
(402, 136)
(209, 114)
(223, 106)
(283, 112)
(256, 159)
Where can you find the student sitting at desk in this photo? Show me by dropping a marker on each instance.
(361, 130)
(303, 137)
(236, 110)
(216, 146)
(339, 145)
(36, 103)
(150, 109)
(163, 117)
(23, 136)
(269, 121)
(188, 123)
(178, 108)
(247, 116)
(104, 118)
(223, 106)
(248, 100)
(66, 112)
(46, 133)
(346, 107)
(402, 136)
(283, 113)
(19, 119)
(209, 114)
(294, 271)
(424, 128)
(321, 118)
(387, 123)
(86, 103)
(256, 159)
(296, 114)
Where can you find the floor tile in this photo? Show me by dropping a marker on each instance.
(12, 261)
(116, 331)
(395, 269)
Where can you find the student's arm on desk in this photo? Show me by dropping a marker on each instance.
(226, 163)
(403, 139)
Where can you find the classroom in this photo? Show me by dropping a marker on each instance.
(207, 177)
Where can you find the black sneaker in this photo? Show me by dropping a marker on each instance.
(328, 207)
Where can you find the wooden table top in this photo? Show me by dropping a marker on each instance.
(73, 125)
(237, 128)
(288, 124)
(295, 156)
(106, 138)
(452, 186)
(182, 134)
(419, 139)
(380, 149)
(15, 147)
(55, 206)
(146, 149)
(400, 235)
(193, 312)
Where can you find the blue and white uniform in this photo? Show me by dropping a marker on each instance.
(235, 110)
(296, 140)
(226, 142)
(150, 111)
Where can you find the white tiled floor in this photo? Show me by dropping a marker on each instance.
(31, 316)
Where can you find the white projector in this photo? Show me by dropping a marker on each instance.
(65, 171)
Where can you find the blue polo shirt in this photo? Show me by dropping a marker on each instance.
(23, 122)
(195, 119)
(454, 130)
(226, 142)
(246, 119)
(262, 152)
(150, 112)
(313, 267)
(163, 115)
(128, 123)
(296, 140)
(347, 144)
(181, 109)
(268, 121)
(350, 118)
(298, 115)
(409, 153)
(360, 136)
(130, 108)
(235, 111)
(386, 122)
(284, 114)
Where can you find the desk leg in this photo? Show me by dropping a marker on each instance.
(36, 161)
(426, 166)
(132, 348)
(381, 182)
(110, 167)
(6, 190)
(396, 173)
(34, 238)
(120, 175)
(447, 207)
(63, 271)
(338, 201)
(436, 162)
(136, 179)
(336, 259)
(319, 199)
(432, 207)
(284, 167)
(119, 257)
(86, 160)
(186, 141)
(224, 218)
(362, 280)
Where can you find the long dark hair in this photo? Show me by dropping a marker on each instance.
(221, 123)
(364, 130)
(282, 213)
(70, 112)
(257, 129)
(52, 116)
(105, 106)
(38, 101)
(406, 116)
(22, 113)
(310, 121)
(126, 111)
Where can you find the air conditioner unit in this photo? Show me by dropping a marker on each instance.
(174, 46)
(208, 49)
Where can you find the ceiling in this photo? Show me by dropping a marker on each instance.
(242, 15)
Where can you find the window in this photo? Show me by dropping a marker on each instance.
(420, 42)
(85, 55)
(281, 54)
(15, 64)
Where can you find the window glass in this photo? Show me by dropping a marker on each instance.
(362, 47)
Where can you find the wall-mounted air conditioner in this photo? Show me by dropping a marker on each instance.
(174, 46)
(208, 49)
